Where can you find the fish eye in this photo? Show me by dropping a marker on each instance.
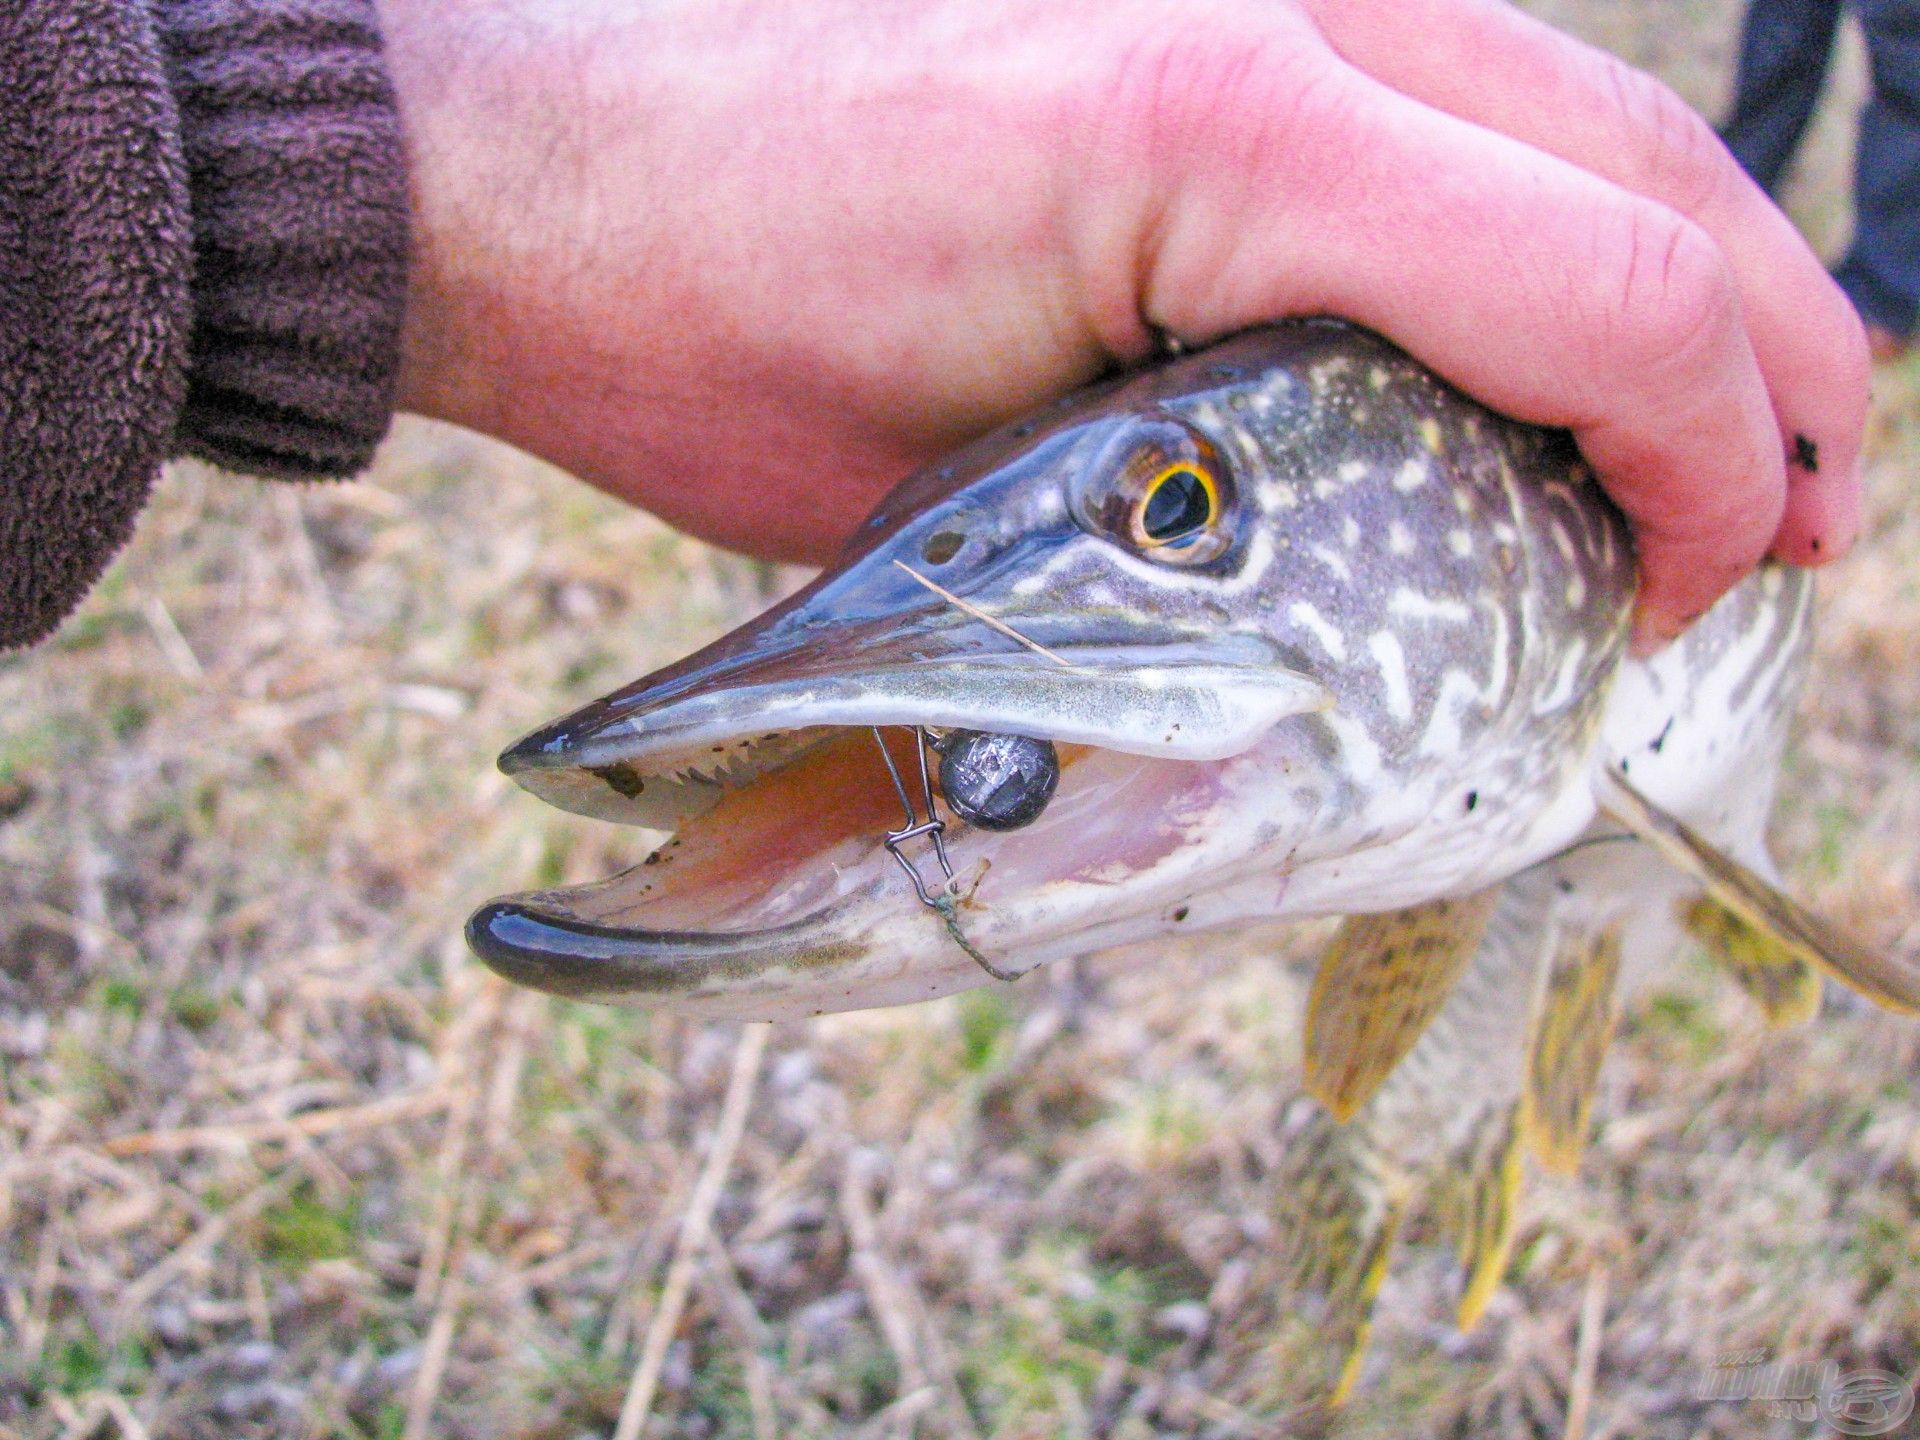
(1176, 507)
(1158, 488)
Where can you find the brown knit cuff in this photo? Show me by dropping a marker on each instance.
(298, 187)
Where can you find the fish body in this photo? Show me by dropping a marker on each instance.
(1311, 634)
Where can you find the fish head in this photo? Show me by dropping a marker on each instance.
(1109, 576)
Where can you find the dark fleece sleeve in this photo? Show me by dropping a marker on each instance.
(202, 251)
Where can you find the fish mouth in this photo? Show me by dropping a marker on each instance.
(776, 893)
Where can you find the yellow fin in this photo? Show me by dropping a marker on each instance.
(1568, 1034)
(1784, 986)
(1380, 982)
(1350, 1308)
(1330, 1182)
(1761, 905)
(1490, 1200)
(1337, 1220)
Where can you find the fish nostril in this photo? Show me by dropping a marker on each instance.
(941, 546)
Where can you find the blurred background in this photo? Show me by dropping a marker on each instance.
(277, 1158)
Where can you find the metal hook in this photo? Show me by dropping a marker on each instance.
(933, 826)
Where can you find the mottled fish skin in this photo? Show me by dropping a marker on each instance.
(1391, 681)
(1452, 586)
(1457, 582)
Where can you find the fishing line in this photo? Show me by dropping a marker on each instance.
(935, 829)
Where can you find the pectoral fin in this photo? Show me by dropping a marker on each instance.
(1784, 986)
(1380, 982)
(1489, 1205)
(1568, 1034)
(1761, 906)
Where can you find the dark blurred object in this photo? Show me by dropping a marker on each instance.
(1784, 51)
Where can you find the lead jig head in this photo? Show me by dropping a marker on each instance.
(997, 782)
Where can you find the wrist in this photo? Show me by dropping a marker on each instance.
(502, 185)
(435, 72)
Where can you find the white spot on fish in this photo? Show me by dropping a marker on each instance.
(1277, 495)
(1352, 470)
(1560, 692)
(1322, 629)
(1458, 696)
(1460, 542)
(1350, 532)
(1361, 763)
(1563, 541)
(1415, 606)
(1498, 674)
(1392, 660)
(1412, 475)
(1333, 560)
(1248, 447)
(1399, 539)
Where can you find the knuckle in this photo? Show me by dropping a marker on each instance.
(1674, 152)
(1674, 303)
(1187, 94)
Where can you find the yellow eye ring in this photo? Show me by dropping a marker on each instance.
(1179, 504)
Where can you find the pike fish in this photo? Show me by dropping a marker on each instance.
(1312, 634)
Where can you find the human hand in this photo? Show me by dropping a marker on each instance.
(746, 262)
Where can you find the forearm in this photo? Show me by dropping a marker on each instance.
(724, 272)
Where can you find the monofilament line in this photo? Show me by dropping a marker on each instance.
(982, 616)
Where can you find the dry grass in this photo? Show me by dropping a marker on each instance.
(277, 1158)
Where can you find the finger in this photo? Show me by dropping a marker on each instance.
(1549, 293)
(1506, 71)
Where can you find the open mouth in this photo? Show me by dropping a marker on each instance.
(807, 855)
(785, 887)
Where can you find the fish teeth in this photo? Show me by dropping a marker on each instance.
(739, 763)
(738, 767)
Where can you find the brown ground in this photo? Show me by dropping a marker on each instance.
(277, 1158)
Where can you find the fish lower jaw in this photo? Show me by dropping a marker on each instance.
(782, 889)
